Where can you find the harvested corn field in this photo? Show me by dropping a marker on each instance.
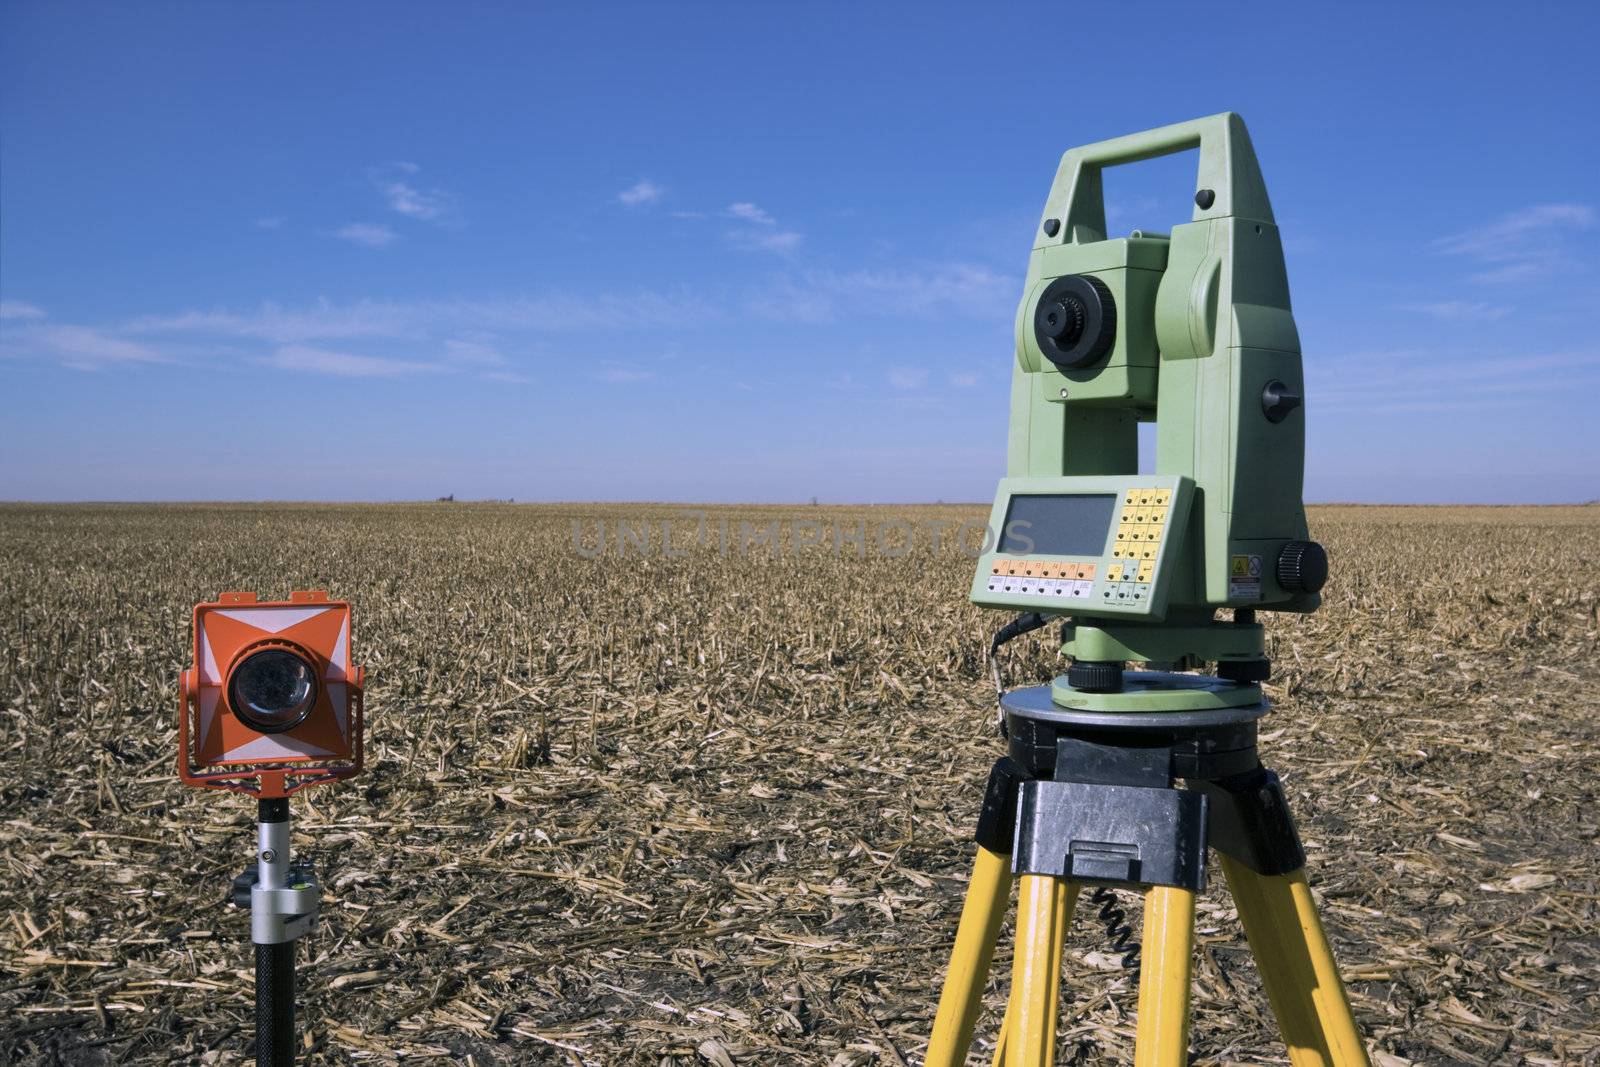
(710, 802)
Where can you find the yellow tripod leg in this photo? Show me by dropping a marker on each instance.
(1164, 970)
(1066, 901)
(1297, 967)
(985, 909)
(1030, 1033)
(999, 1059)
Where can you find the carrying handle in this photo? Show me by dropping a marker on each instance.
(1227, 168)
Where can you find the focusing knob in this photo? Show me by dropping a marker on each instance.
(1062, 320)
(1075, 322)
(1302, 566)
(1095, 677)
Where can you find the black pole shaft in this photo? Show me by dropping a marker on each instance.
(274, 977)
(275, 1005)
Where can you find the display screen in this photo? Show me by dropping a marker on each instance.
(1058, 524)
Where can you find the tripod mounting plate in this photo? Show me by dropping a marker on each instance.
(1160, 692)
(1157, 696)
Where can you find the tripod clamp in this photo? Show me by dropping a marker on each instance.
(1088, 796)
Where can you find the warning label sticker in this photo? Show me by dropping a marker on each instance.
(1244, 578)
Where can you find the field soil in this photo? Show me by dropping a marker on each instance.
(712, 803)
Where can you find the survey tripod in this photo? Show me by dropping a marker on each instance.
(283, 897)
(1086, 799)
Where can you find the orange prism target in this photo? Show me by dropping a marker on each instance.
(273, 703)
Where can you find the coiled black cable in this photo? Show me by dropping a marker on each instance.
(1115, 921)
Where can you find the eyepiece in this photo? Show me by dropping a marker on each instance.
(1062, 320)
(272, 690)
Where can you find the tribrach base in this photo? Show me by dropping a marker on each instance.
(1086, 798)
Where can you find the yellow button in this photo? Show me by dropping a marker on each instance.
(1147, 551)
(1147, 496)
(1146, 569)
(1163, 497)
(1158, 514)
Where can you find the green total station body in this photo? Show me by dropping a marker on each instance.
(1190, 331)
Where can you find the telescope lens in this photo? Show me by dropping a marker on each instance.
(273, 690)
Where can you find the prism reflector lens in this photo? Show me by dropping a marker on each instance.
(273, 690)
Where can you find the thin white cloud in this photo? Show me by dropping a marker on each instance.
(271, 322)
(1459, 310)
(509, 377)
(908, 379)
(1502, 237)
(344, 364)
(80, 347)
(472, 353)
(1522, 246)
(964, 380)
(272, 222)
(554, 312)
(760, 232)
(406, 197)
(1536, 266)
(951, 288)
(367, 234)
(749, 212)
(782, 242)
(641, 193)
(1426, 379)
(624, 373)
(1120, 211)
(20, 309)
(466, 335)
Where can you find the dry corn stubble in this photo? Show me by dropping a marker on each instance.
(714, 808)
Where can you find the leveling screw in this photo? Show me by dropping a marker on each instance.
(267, 855)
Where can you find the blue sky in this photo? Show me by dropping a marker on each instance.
(749, 252)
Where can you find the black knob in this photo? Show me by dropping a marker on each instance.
(1095, 677)
(1277, 400)
(1302, 566)
(1052, 227)
(1075, 322)
(243, 885)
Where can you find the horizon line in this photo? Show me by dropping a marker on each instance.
(513, 502)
